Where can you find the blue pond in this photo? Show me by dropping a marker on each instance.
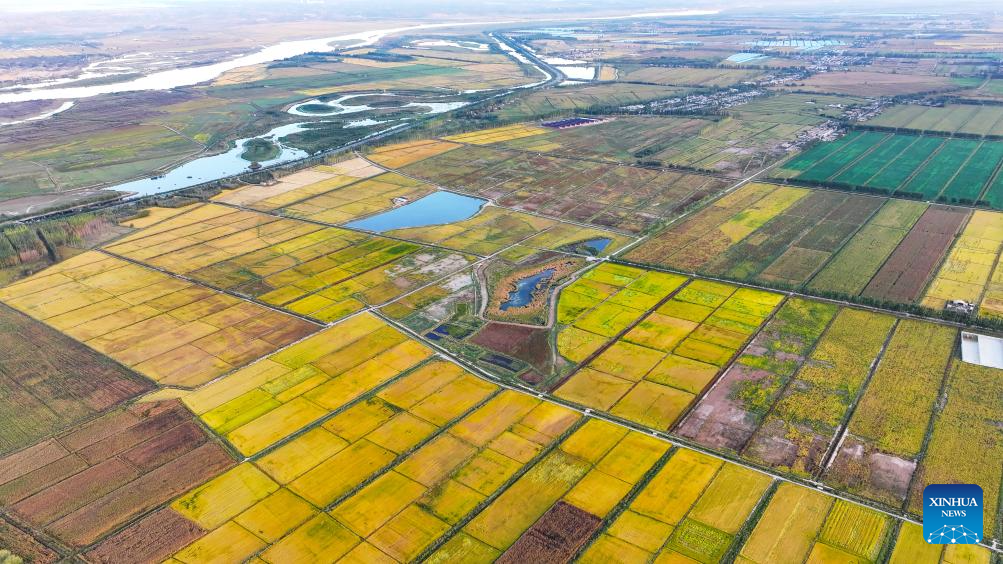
(596, 246)
(434, 209)
(524, 289)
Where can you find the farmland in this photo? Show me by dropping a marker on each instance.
(832, 244)
(42, 395)
(970, 399)
(805, 419)
(630, 199)
(951, 118)
(172, 331)
(910, 166)
(536, 104)
(713, 321)
(887, 429)
(870, 83)
(657, 368)
(324, 273)
(684, 76)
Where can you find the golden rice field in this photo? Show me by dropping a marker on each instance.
(657, 369)
(910, 547)
(992, 301)
(172, 331)
(283, 393)
(152, 216)
(358, 444)
(591, 470)
(691, 510)
(605, 301)
(498, 134)
(817, 528)
(402, 154)
(322, 272)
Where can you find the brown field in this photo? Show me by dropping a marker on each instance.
(151, 539)
(41, 393)
(906, 272)
(88, 481)
(524, 343)
(24, 545)
(555, 537)
(864, 83)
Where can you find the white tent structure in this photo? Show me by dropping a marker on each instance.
(982, 349)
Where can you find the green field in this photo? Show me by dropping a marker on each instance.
(911, 166)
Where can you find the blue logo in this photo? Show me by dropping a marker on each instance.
(952, 514)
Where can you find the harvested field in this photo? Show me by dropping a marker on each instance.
(174, 332)
(153, 538)
(734, 408)
(798, 432)
(83, 483)
(905, 274)
(621, 197)
(524, 343)
(869, 83)
(556, 537)
(24, 546)
(823, 241)
(862, 256)
(792, 246)
(41, 393)
(299, 185)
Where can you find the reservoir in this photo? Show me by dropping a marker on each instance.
(435, 209)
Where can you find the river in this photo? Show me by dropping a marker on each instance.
(188, 76)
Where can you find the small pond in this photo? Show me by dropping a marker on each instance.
(597, 245)
(522, 295)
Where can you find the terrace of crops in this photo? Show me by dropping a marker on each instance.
(930, 168)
